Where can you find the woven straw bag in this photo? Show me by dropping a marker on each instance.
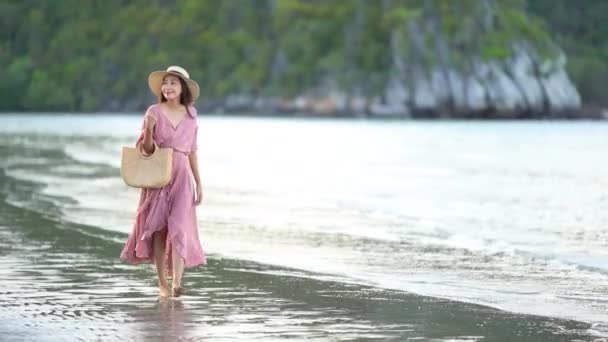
(141, 171)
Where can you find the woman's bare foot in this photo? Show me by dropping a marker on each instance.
(164, 291)
(178, 291)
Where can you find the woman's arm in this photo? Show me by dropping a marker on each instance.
(149, 123)
(193, 158)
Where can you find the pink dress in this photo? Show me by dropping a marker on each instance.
(173, 206)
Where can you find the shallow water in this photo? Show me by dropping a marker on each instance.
(64, 285)
(315, 228)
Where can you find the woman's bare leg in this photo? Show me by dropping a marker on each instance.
(158, 246)
(178, 270)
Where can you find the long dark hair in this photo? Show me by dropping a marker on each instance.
(185, 98)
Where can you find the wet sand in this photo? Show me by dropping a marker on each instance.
(60, 281)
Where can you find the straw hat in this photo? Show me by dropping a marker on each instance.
(155, 80)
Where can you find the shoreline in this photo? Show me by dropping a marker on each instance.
(582, 114)
(65, 279)
(87, 289)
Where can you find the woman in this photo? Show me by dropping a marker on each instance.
(166, 229)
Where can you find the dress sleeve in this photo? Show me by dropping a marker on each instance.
(194, 145)
(151, 109)
(143, 123)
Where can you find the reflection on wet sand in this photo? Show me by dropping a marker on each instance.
(55, 295)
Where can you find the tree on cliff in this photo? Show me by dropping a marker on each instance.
(95, 55)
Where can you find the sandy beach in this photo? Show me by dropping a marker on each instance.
(55, 288)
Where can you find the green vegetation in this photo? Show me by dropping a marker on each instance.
(91, 55)
(579, 28)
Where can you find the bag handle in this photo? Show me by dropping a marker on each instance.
(143, 154)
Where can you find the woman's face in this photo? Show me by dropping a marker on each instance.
(171, 87)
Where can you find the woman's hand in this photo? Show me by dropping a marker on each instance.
(193, 159)
(199, 194)
(149, 121)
